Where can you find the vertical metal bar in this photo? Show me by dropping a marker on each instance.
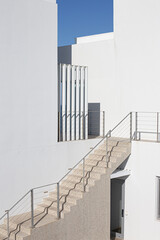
(59, 133)
(59, 66)
(157, 126)
(84, 106)
(58, 212)
(8, 231)
(136, 125)
(32, 209)
(70, 103)
(80, 70)
(103, 123)
(75, 102)
(82, 125)
(63, 101)
(86, 103)
(83, 174)
(82, 101)
(66, 83)
(107, 151)
(130, 126)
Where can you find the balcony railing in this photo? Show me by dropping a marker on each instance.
(80, 125)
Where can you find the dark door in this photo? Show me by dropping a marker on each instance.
(117, 208)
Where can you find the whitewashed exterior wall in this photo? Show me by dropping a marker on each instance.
(29, 153)
(96, 52)
(124, 76)
(141, 192)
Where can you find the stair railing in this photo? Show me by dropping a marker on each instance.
(31, 195)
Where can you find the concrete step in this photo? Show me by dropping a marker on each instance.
(78, 186)
(93, 168)
(67, 206)
(2, 235)
(102, 152)
(20, 235)
(71, 183)
(79, 173)
(3, 232)
(73, 194)
(97, 157)
(70, 199)
(25, 218)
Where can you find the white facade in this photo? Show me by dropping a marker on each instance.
(29, 153)
(137, 52)
(123, 70)
(141, 192)
(124, 76)
(96, 52)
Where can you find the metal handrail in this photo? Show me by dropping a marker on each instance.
(108, 135)
(19, 200)
(3, 216)
(47, 185)
(85, 156)
(132, 136)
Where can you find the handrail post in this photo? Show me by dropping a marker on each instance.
(136, 125)
(8, 231)
(130, 126)
(103, 123)
(157, 126)
(58, 212)
(107, 150)
(84, 175)
(32, 209)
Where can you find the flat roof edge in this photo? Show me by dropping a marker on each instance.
(94, 38)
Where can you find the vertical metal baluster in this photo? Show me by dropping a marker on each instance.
(58, 212)
(83, 174)
(130, 126)
(8, 231)
(82, 126)
(107, 150)
(32, 209)
(136, 125)
(157, 125)
(70, 103)
(66, 80)
(103, 123)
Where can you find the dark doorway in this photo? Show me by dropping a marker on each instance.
(117, 208)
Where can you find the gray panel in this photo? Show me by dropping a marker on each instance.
(94, 119)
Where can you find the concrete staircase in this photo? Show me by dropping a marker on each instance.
(72, 196)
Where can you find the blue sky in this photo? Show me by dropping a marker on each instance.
(83, 17)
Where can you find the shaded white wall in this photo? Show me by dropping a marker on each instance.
(141, 192)
(29, 153)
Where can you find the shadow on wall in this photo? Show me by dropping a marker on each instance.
(65, 54)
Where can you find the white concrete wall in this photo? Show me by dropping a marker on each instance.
(127, 79)
(96, 52)
(124, 71)
(29, 153)
(140, 192)
(137, 51)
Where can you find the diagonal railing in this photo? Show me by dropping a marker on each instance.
(135, 126)
(25, 207)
